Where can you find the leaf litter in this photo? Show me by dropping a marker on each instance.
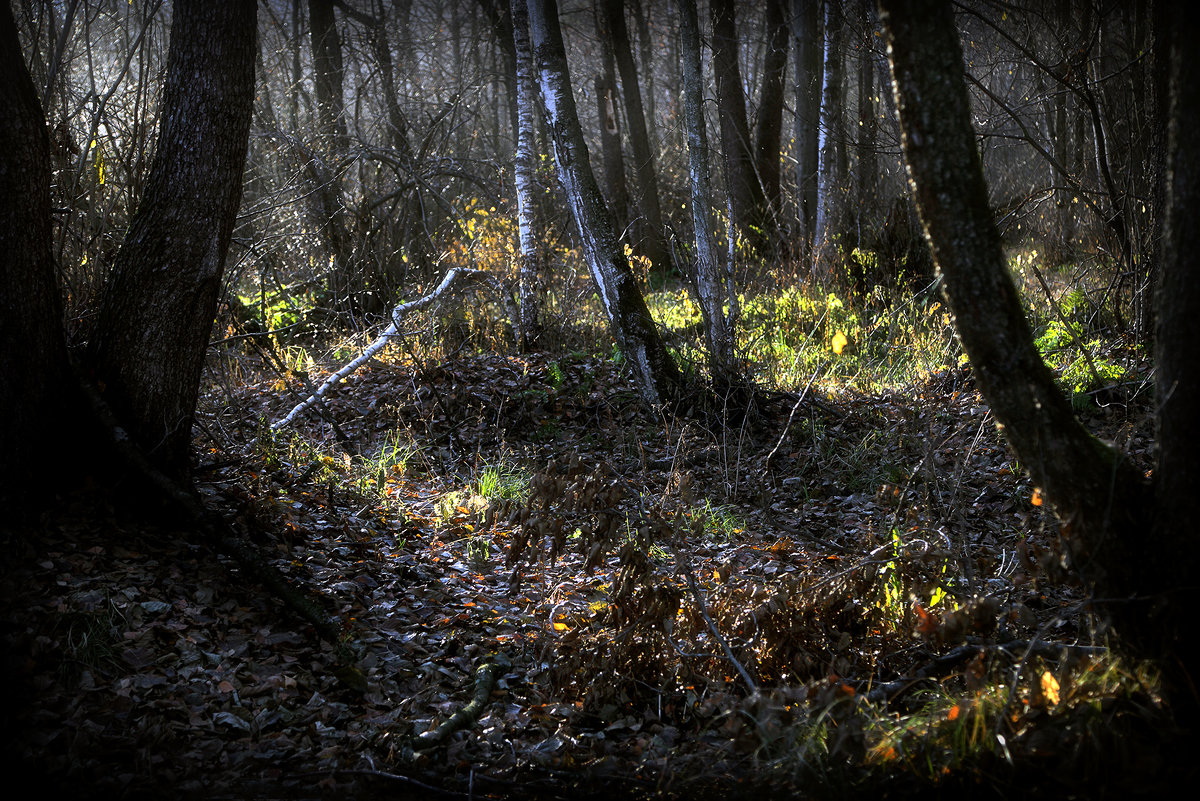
(674, 615)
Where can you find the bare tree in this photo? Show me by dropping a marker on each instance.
(152, 334)
(37, 393)
(653, 242)
(633, 328)
(806, 54)
(528, 228)
(1105, 506)
(711, 286)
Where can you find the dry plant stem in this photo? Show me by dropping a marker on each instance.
(788, 425)
(685, 566)
(444, 288)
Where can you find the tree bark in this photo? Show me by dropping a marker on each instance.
(806, 54)
(1177, 341)
(769, 125)
(1100, 499)
(343, 282)
(529, 230)
(152, 334)
(38, 397)
(710, 283)
(611, 152)
(746, 199)
(831, 177)
(652, 240)
(655, 372)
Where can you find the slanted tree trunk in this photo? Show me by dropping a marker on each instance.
(710, 286)
(745, 191)
(529, 230)
(769, 124)
(651, 238)
(1103, 504)
(633, 328)
(806, 54)
(38, 398)
(152, 334)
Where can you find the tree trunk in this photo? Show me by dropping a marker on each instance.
(831, 178)
(38, 396)
(1101, 500)
(745, 192)
(806, 53)
(1171, 545)
(769, 127)
(866, 169)
(610, 132)
(343, 283)
(652, 241)
(152, 334)
(654, 370)
(528, 229)
(710, 288)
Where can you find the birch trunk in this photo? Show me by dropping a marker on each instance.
(654, 370)
(528, 229)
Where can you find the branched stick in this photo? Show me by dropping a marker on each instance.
(485, 682)
(398, 314)
(686, 567)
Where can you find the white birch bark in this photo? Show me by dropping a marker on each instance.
(654, 370)
(529, 274)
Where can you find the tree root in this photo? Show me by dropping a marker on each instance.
(214, 528)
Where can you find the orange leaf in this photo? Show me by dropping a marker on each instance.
(1050, 688)
(953, 713)
(1036, 499)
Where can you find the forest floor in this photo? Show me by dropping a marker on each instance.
(857, 598)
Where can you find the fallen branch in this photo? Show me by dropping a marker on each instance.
(485, 682)
(685, 566)
(446, 285)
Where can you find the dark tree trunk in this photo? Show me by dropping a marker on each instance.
(1172, 545)
(745, 192)
(710, 282)
(806, 53)
(152, 334)
(1102, 501)
(38, 397)
(611, 153)
(652, 239)
(769, 126)
(343, 282)
(867, 172)
(633, 328)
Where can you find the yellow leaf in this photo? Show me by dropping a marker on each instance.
(560, 626)
(839, 342)
(1050, 688)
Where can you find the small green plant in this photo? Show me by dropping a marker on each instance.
(502, 482)
(720, 523)
(447, 506)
